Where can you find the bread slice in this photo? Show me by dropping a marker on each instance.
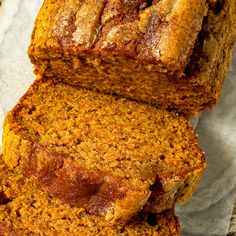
(106, 154)
(27, 210)
(197, 87)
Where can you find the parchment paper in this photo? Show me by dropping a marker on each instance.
(209, 211)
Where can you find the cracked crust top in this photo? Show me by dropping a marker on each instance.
(161, 32)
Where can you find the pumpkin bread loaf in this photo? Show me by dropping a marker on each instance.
(102, 153)
(162, 52)
(27, 210)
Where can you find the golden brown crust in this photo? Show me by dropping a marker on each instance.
(58, 134)
(178, 195)
(157, 32)
(30, 211)
(198, 89)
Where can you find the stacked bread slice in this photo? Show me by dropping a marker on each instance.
(27, 210)
(80, 159)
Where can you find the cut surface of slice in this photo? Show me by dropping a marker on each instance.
(106, 154)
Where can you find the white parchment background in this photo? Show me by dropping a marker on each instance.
(209, 211)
